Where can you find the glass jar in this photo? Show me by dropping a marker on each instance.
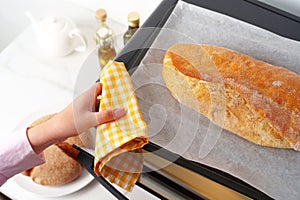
(106, 50)
(104, 39)
(133, 25)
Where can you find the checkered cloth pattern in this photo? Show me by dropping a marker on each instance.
(118, 156)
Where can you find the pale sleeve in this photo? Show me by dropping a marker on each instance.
(17, 155)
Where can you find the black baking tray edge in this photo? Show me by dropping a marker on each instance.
(250, 11)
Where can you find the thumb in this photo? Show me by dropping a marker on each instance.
(110, 115)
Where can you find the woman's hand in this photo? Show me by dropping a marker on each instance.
(76, 118)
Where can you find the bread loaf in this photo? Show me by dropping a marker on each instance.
(59, 167)
(253, 99)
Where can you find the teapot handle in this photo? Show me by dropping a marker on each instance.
(77, 32)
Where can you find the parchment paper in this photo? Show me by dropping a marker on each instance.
(189, 134)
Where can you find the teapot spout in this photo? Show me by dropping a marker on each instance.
(31, 17)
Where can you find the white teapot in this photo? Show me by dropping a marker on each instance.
(56, 36)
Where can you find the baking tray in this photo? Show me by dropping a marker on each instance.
(250, 11)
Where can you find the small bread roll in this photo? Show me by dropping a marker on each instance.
(59, 167)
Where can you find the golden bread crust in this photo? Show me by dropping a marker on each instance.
(261, 101)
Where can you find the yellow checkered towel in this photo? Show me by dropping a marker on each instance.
(118, 156)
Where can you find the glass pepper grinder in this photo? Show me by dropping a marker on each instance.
(133, 25)
(106, 50)
(104, 39)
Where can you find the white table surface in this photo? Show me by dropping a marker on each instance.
(31, 82)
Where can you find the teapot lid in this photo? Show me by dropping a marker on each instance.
(54, 23)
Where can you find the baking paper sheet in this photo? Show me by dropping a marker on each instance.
(189, 134)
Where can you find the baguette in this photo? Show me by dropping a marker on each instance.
(258, 101)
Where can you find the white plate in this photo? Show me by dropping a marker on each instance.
(54, 191)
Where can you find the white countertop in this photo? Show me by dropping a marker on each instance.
(32, 82)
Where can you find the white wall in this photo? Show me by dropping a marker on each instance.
(119, 9)
(13, 21)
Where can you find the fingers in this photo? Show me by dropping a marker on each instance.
(98, 91)
(94, 90)
(110, 115)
